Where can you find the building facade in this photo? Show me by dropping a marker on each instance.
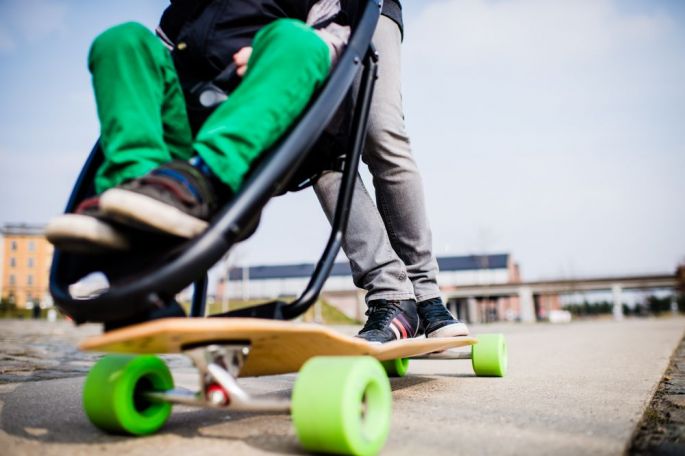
(286, 281)
(25, 258)
(480, 270)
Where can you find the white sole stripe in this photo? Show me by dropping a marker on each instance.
(395, 330)
(118, 203)
(77, 228)
(453, 330)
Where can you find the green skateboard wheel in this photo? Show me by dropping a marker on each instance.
(489, 356)
(396, 367)
(342, 405)
(112, 394)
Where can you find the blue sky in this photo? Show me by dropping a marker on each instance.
(548, 129)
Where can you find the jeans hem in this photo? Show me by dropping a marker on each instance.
(390, 297)
(425, 297)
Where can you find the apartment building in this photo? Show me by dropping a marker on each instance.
(25, 258)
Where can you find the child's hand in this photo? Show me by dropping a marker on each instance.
(241, 58)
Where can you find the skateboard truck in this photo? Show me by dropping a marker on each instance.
(219, 366)
(447, 355)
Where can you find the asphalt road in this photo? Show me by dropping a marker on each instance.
(571, 389)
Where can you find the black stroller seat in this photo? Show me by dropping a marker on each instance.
(142, 285)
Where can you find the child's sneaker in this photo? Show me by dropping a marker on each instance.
(437, 321)
(390, 320)
(175, 199)
(86, 231)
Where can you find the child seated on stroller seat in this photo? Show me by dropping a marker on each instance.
(168, 169)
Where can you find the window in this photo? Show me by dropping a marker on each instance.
(30, 262)
(13, 246)
(32, 246)
(13, 280)
(13, 262)
(29, 280)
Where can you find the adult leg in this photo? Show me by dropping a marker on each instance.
(376, 267)
(396, 179)
(399, 193)
(399, 189)
(391, 250)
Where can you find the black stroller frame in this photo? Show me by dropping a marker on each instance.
(150, 289)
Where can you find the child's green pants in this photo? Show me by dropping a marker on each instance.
(143, 115)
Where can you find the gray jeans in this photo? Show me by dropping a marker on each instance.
(389, 245)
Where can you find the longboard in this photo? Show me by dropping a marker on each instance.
(276, 347)
(341, 399)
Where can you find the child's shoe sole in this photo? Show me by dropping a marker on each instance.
(84, 234)
(141, 211)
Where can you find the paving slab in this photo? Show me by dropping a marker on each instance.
(571, 389)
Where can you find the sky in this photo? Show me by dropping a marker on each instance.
(548, 129)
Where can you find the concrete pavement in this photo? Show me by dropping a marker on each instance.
(577, 388)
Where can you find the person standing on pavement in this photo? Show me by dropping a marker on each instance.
(389, 244)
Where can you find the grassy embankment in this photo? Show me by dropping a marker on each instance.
(329, 314)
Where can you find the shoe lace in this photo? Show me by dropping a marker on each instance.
(379, 315)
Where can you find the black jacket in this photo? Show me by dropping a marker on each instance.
(206, 33)
(393, 9)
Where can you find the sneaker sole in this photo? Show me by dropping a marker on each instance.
(84, 234)
(127, 206)
(451, 330)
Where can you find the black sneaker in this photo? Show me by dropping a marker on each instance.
(390, 320)
(437, 321)
(86, 231)
(174, 199)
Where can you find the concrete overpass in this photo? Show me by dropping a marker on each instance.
(526, 291)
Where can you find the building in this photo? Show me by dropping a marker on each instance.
(25, 258)
(272, 281)
(481, 271)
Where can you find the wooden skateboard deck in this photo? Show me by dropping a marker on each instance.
(276, 347)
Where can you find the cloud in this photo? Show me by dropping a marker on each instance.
(555, 124)
(551, 75)
(526, 58)
(528, 31)
(30, 21)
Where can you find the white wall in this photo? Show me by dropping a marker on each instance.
(474, 277)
